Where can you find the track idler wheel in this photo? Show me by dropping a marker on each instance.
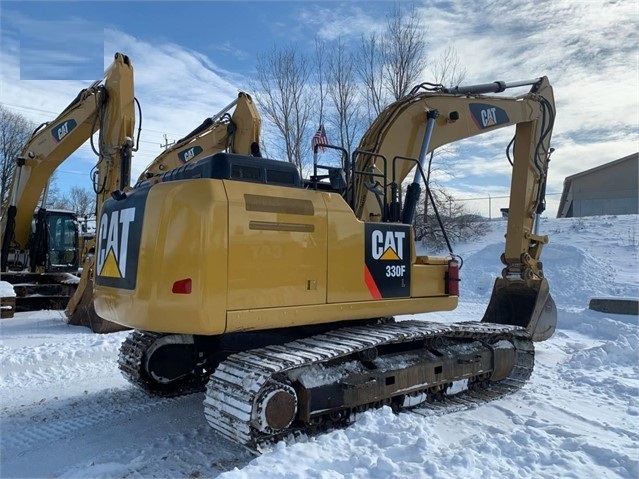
(275, 408)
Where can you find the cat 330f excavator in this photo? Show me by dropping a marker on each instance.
(277, 294)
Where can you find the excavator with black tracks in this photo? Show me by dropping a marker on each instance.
(285, 299)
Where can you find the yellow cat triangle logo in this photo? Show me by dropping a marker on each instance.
(110, 268)
(390, 254)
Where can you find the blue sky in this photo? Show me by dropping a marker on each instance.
(191, 58)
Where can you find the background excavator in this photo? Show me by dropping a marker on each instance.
(276, 294)
(41, 254)
(47, 245)
(236, 133)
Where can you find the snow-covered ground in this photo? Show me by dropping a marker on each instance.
(65, 410)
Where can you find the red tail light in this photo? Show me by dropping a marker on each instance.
(452, 278)
(182, 286)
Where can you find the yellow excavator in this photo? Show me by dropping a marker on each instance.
(236, 133)
(40, 255)
(277, 295)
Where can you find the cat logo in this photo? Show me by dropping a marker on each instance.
(486, 116)
(63, 129)
(113, 243)
(189, 154)
(387, 245)
(387, 260)
(489, 117)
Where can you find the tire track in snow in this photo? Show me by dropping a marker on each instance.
(57, 423)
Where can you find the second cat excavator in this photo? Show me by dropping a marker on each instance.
(277, 294)
(40, 254)
(236, 133)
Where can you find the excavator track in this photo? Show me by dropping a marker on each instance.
(131, 359)
(261, 395)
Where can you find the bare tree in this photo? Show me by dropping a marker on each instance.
(457, 221)
(320, 69)
(391, 63)
(447, 68)
(342, 89)
(281, 89)
(81, 201)
(54, 197)
(403, 51)
(15, 131)
(369, 69)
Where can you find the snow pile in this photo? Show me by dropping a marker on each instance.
(6, 290)
(66, 411)
(576, 271)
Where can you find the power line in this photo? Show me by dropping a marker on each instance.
(494, 197)
(29, 108)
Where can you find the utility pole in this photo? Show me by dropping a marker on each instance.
(490, 207)
(166, 143)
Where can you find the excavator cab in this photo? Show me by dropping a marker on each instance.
(51, 247)
(62, 247)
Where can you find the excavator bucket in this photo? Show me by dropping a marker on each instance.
(525, 304)
(84, 314)
(80, 310)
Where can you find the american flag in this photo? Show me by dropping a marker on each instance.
(319, 138)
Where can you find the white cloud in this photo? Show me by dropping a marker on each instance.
(588, 49)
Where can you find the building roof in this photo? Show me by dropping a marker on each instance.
(564, 204)
(601, 167)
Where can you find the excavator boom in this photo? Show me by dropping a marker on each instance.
(417, 125)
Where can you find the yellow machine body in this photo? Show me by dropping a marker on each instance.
(259, 257)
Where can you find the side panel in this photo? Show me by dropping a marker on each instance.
(277, 246)
(267, 257)
(118, 242)
(355, 274)
(345, 253)
(388, 260)
(427, 277)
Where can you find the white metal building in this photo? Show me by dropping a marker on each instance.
(610, 189)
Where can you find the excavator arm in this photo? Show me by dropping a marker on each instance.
(415, 126)
(237, 133)
(108, 108)
(112, 176)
